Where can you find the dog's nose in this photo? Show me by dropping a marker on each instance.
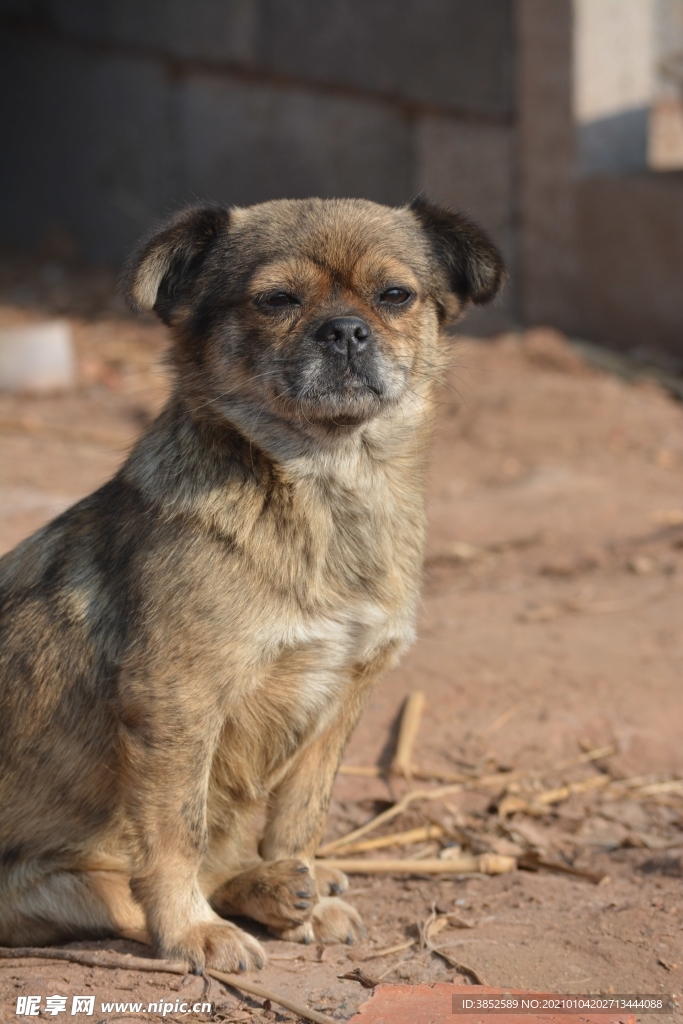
(345, 335)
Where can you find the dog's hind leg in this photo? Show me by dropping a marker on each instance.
(38, 907)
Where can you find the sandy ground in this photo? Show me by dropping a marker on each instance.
(551, 625)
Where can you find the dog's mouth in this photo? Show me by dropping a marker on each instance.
(349, 402)
(348, 399)
(349, 386)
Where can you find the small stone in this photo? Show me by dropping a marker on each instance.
(641, 565)
(461, 551)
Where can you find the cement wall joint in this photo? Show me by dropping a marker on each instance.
(179, 66)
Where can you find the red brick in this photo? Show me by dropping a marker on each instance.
(432, 1004)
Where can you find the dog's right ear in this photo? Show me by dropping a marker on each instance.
(162, 273)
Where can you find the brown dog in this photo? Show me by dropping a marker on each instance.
(186, 652)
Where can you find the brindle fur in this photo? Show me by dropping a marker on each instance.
(186, 652)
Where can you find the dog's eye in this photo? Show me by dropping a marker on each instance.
(395, 296)
(278, 299)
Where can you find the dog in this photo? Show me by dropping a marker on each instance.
(186, 651)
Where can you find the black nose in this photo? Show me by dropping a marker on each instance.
(345, 335)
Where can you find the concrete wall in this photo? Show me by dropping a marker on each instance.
(118, 111)
(614, 82)
(547, 158)
(530, 115)
(600, 236)
(630, 236)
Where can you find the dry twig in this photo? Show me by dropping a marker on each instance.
(365, 771)
(391, 949)
(360, 976)
(431, 927)
(235, 981)
(538, 802)
(372, 771)
(636, 788)
(95, 958)
(502, 720)
(672, 786)
(588, 755)
(391, 812)
(456, 921)
(413, 835)
(532, 861)
(462, 968)
(484, 863)
(407, 733)
(137, 963)
(475, 781)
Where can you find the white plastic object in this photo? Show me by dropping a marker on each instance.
(37, 357)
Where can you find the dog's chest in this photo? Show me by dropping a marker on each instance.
(325, 656)
(356, 588)
(336, 602)
(307, 682)
(341, 638)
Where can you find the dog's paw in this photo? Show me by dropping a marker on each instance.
(218, 944)
(330, 881)
(279, 893)
(332, 920)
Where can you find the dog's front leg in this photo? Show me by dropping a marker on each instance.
(166, 791)
(295, 827)
(299, 805)
(291, 893)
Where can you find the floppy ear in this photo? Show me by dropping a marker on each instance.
(161, 273)
(472, 264)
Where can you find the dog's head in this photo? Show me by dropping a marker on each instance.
(320, 311)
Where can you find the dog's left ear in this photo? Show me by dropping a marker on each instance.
(472, 264)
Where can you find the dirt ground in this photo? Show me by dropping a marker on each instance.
(551, 626)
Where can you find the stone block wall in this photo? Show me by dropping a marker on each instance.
(117, 112)
(529, 115)
(600, 244)
(630, 236)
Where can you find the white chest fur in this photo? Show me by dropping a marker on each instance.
(327, 647)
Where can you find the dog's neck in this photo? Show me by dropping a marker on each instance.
(303, 445)
(191, 450)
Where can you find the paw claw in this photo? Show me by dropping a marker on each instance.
(331, 881)
(332, 920)
(218, 944)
